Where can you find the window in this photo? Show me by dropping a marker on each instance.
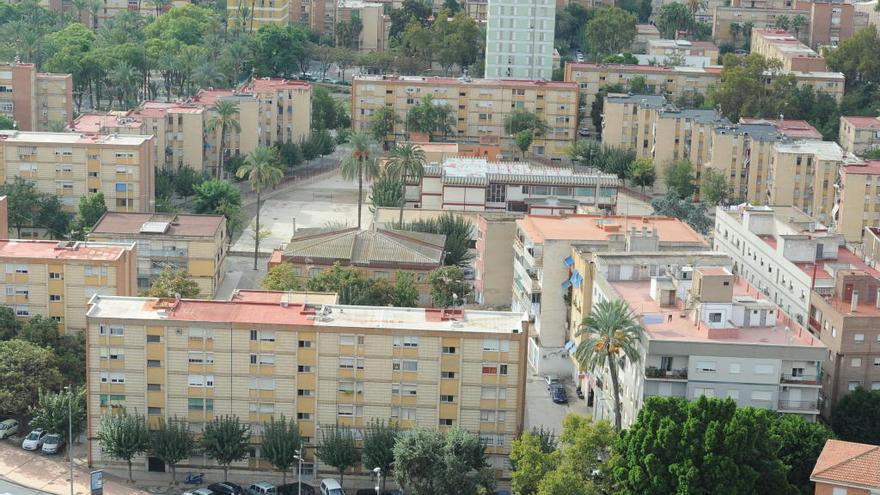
(853, 385)
(859, 337)
(262, 383)
(403, 389)
(204, 334)
(304, 416)
(263, 359)
(493, 393)
(112, 400)
(446, 422)
(715, 317)
(703, 392)
(153, 363)
(877, 361)
(54, 297)
(349, 410)
(201, 381)
(348, 387)
(733, 394)
(117, 331)
(198, 357)
(263, 335)
(381, 274)
(706, 366)
(304, 369)
(856, 363)
(490, 369)
(495, 345)
(200, 404)
(447, 375)
(447, 398)
(152, 339)
(735, 368)
(764, 369)
(346, 340)
(762, 395)
(405, 365)
(303, 392)
(21, 310)
(112, 377)
(406, 341)
(54, 276)
(154, 387)
(261, 407)
(448, 350)
(348, 363)
(405, 413)
(304, 344)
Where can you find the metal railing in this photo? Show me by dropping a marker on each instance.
(798, 405)
(675, 374)
(800, 379)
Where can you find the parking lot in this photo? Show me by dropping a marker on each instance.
(542, 412)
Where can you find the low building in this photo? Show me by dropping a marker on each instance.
(846, 468)
(476, 184)
(325, 365)
(859, 134)
(542, 275)
(35, 99)
(479, 105)
(380, 253)
(56, 279)
(777, 44)
(196, 244)
(663, 48)
(857, 202)
(70, 165)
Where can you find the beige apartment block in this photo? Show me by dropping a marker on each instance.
(70, 165)
(777, 44)
(859, 134)
(376, 25)
(493, 263)
(682, 48)
(34, 99)
(857, 205)
(479, 105)
(644, 34)
(742, 154)
(196, 244)
(477, 10)
(260, 13)
(803, 174)
(56, 279)
(180, 130)
(326, 365)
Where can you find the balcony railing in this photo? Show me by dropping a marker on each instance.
(798, 405)
(655, 372)
(800, 379)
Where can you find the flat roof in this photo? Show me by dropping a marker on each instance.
(63, 250)
(178, 224)
(61, 138)
(277, 297)
(467, 170)
(272, 84)
(451, 81)
(333, 315)
(795, 129)
(93, 123)
(824, 150)
(601, 228)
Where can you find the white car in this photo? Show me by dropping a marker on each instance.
(53, 444)
(8, 428)
(198, 491)
(34, 440)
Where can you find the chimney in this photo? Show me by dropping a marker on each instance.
(855, 301)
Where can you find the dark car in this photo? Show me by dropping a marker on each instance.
(558, 395)
(292, 489)
(226, 488)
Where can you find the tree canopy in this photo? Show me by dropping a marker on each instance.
(428, 462)
(856, 417)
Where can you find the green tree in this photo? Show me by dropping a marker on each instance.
(173, 283)
(91, 208)
(220, 198)
(23, 203)
(856, 57)
(172, 443)
(610, 335)
(802, 442)
(714, 188)
(41, 331)
(599, 103)
(123, 436)
(456, 228)
(566, 483)
(531, 464)
(262, 169)
(743, 91)
(680, 178)
(640, 8)
(386, 192)
(676, 446)
(694, 214)
(798, 22)
(225, 440)
(281, 277)
(277, 50)
(856, 417)
(290, 154)
(782, 21)
(523, 140)
(675, 17)
(9, 324)
(642, 173)
(611, 31)
(282, 444)
(429, 118)
(382, 124)
(52, 217)
(25, 368)
(55, 409)
(352, 286)
(186, 179)
(337, 449)
(6, 123)
(70, 351)
(223, 119)
(428, 462)
(324, 109)
(523, 120)
(360, 165)
(448, 287)
(406, 162)
(405, 293)
(378, 447)
(871, 154)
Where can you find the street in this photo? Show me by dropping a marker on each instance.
(7, 488)
(541, 412)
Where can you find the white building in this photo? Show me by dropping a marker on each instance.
(707, 333)
(519, 39)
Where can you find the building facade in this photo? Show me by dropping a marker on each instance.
(840, 469)
(857, 200)
(777, 44)
(519, 39)
(493, 262)
(56, 279)
(35, 99)
(196, 244)
(859, 134)
(479, 106)
(70, 165)
(325, 365)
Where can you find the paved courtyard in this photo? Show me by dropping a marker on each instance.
(542, 412)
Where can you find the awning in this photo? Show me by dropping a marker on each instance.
(568, 261)
(576, 279)
(566, 284)
(570, 347)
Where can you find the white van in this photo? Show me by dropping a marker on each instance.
(261, 488)
(331, 487)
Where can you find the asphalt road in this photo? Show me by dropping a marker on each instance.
(8, 488)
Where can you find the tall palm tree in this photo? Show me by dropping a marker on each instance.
(610, 335)
(735, 30)
(262, 169)
(797, 23)
(407, 162)
(360, 164)
(224, 119)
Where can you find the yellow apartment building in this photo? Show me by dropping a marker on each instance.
(56, 279)
(180, 130)
(375, 24)
(70, 165)
(803, 174)
(859, 134)
(683, 48)
(742, 154)
(260, 13)
(34, 99)
(775, 43)
(479, 105)
(326, 365)
(194, 243)
(857, 207)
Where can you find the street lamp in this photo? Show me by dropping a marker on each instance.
(378, 472)
(69, 389)
(299, 469)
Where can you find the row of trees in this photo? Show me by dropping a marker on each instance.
(29, 208)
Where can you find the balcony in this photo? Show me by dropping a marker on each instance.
(799, 405)
(815, 326)
(653, 372)
(788, 378)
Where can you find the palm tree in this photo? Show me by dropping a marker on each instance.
(747, 33)
(696, 5)
(406, 162)
(797, 23)
(735, 29)
(224, 119)
(360, 164)
(609, 331)
(262, 168)
(782, 22)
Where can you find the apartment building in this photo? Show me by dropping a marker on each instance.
(804, 174)
(380, 253)
(857, 201)
(196, 244)
(519, 39)
(375, 24)
(493, 262)
(477, 10)
(113, 122)
(742, 153)
(476, 184)
(180, 130)
(34, 99)
(644, 34)
(260, 13)
(706, 333)
(325, 365)
(682, 48)
(70, 165)
(790, 128)
(542, 277)
(777, 44)
(479, 105)
(840, 469)
(859, 134)
(56, 279)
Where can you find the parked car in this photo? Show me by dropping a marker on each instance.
(34, 440)
(330, 486)
(584, 132)
(53, 444)
(293, 489)
(226, 488)
(8, 428)
(262, 488)
(198, 491)
(557, 393)
(552, 380)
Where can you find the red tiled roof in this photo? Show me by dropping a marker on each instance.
(848, 462)
(870, 167)
(870, 122)
(52, 250)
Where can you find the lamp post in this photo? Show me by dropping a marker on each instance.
(69, 389)
(378, 472)
(299, 469)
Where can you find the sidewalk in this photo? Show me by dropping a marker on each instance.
(50, 474)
